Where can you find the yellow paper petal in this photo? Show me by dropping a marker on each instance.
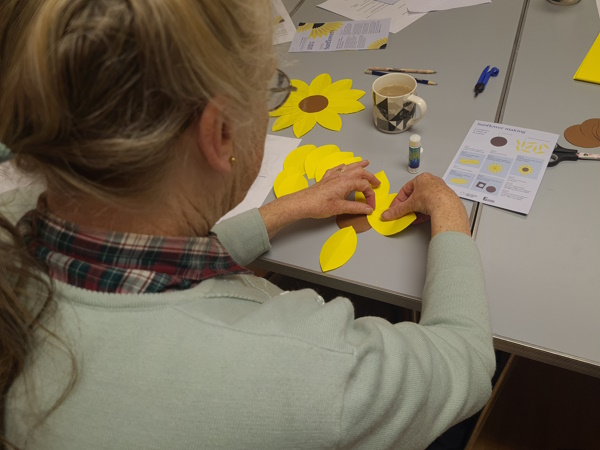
(329, 119)
(329, 161)
(390, 227)
(319, 83)
(346, 106)
(381, 191)
(340, 85)
(287, 120)
(352, 94)
(313, 158)
(288, 182)
(338, 249)
(286, 108)
(297, 157)
(304, 125)
(302, 88)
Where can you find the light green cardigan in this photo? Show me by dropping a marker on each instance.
(235, 363)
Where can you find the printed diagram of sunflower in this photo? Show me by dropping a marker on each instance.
(309, 162)
(318, 30)
(379, 44)
(525, 169)
(320, 102)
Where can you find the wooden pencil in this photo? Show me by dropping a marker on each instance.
(393, 69)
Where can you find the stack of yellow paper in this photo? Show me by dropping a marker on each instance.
(589, 70)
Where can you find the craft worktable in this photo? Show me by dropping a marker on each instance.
(541, 269)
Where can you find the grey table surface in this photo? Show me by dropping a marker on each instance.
(458, 44)
(542, 269)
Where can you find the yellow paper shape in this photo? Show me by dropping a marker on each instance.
(458, 180)
(589, 70)
(380, 191)
(320, 102)
(389, 227)
(297, 157)
(333, 160)
(469, 161)
(288, 182)
(338, 249)
(313, 158)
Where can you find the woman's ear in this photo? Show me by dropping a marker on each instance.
(213, 136)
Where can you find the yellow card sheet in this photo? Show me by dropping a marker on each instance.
(589, 70)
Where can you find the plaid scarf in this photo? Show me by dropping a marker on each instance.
(122, 263)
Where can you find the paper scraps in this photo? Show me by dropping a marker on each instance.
(586, 134)
(320, 102)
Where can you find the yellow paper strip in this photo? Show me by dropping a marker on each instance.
(589, 70)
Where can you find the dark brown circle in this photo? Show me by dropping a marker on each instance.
(359, 222)
(313, 103)
(525, 169)
(498, 141)
(490, 189)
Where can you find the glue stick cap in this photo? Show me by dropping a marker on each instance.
(415, 141)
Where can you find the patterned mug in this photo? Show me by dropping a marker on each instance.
(395, 103)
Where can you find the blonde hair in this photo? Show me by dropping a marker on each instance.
(97, 93)
(94, 97)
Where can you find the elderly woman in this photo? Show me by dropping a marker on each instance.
(127, 317)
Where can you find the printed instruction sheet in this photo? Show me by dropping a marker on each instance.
(284, 27)
(372, 9)
(332, 36)
(501, 165)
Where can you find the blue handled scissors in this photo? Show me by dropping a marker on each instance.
(483, 79)
(568, 154)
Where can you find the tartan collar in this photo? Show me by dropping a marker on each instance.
(125, 263)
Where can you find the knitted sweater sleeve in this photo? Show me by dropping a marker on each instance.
(410, 382)
(244, 236)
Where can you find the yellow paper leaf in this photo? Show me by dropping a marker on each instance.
(390, 227)
(338, 249)
(313, 158)
(297, 157)
(288, 182)
(339, 85)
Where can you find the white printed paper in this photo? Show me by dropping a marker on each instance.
(276, 150)
(501, 165)
(440, 5)
(372, 9)
(284, 27)
(333, 36)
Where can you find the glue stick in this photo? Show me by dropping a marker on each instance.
(414, 153)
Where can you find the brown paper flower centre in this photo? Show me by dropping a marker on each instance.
(313, 103)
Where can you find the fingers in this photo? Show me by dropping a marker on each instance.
(395, 211)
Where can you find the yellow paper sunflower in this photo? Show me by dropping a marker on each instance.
(319, 29)
(320, 102)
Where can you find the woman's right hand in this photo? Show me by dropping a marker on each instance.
(431, 198)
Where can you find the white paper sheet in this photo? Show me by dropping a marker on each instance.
(501, 165)
(276, 150)
(284, 27)
(440, 5)
(371, 9)
(335, 36)
(598, 4)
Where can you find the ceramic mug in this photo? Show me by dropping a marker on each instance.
(395, 103)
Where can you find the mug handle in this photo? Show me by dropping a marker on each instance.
(422, 109)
